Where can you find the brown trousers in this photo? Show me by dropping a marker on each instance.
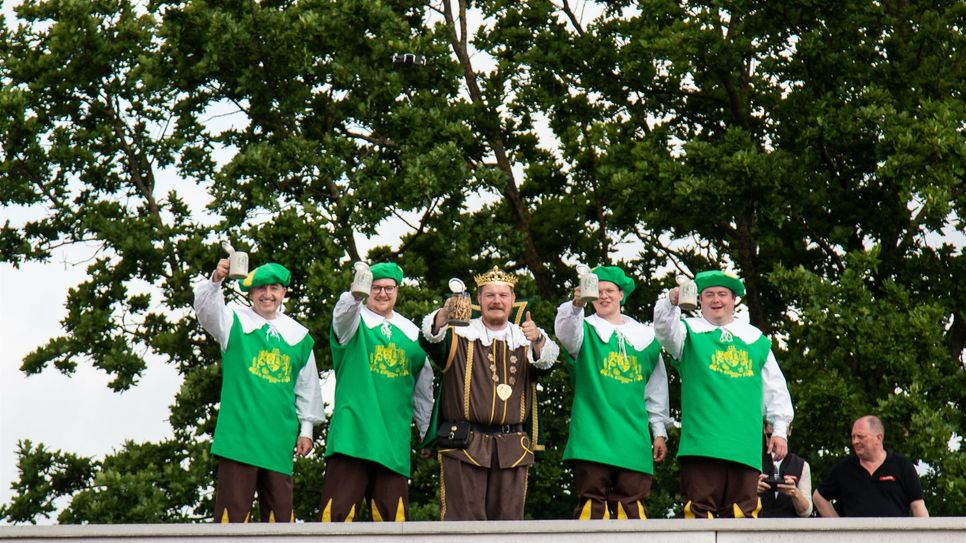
(349, 480)
(471, 492)
(605, 492)
(236, 487)
(718, 488)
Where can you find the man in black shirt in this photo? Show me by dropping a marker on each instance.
(873, 482)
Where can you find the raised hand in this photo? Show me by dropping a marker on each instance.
(530, 330)
(578, 301)
(672, 295)
(221, 271)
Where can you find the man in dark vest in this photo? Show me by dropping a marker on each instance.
(794, 497)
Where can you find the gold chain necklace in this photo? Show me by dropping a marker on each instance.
(503, 390)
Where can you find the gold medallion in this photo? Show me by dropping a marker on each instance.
(504, 391)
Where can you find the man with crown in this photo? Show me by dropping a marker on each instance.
(270, 394)
(381, 376)
(620, 388)
(729, 379)
(487, 402)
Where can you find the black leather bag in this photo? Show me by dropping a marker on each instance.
(453, 435)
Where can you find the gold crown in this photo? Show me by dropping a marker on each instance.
(496, 275)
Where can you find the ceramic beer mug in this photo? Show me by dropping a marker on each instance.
(237, 262)
(361, 280)
(687, 293)
(461, 310)
(588, 284)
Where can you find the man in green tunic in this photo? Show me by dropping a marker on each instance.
(729, 379)
(620, 386)
(382, 380)
(270, 394)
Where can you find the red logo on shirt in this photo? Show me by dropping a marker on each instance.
(887, 478)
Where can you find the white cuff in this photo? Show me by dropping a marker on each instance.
(306, 430)
(427, 328)
(779, 428)
(658, 430)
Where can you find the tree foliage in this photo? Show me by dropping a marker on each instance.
(815, 148)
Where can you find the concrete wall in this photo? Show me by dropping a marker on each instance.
(815, 530)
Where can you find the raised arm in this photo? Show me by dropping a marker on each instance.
(210, 307)
(345, 317)
(568, 326)
(668, 328)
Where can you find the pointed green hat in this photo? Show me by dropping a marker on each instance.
(266, 274)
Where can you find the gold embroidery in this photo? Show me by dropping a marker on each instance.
(524, 441)
(473, 460)
(442, 487)
(467, 379)
(732, 362)
(388, 360)
(535, 424)
(622, 367)
(272, 366)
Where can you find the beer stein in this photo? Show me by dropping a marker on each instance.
(687, 293)
(237, 262)
(462, 308)
(361, 281)
(588, 284)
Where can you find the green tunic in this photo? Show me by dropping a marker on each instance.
(609, 422)
(257, 424)
(721, 397)
(375, 376)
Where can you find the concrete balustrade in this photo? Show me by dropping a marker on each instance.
(814, 530)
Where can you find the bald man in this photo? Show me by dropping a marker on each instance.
(873, 482)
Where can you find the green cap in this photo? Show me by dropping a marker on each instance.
(618, 277)
(266, 274)
(387, 270)
(716, 278)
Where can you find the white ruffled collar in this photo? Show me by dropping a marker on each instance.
(746, 332)
(373, 319)
(291, 331)
(634, 332)
(478, 331)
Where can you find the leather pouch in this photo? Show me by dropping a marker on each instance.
(453, 435)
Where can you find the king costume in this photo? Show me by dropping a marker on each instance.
(270, 396)
(488, 386)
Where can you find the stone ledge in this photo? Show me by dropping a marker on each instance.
(812, 530)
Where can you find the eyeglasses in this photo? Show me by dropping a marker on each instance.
(388, 290)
